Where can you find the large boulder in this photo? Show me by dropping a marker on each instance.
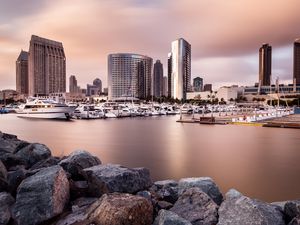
(10, 143)
(292, 209)
(295, 221)
(3, 177)
(237, 209)
(77, 161)
(41, 196)
(169, 218)
(112, 209)
(206, 184)
(51, 161)
(11, 160)
(119, 209)
(34, 153)
(115, 178)
(14, 179)
(6, 202)
(197, 207)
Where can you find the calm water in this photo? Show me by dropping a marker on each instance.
(260, 162)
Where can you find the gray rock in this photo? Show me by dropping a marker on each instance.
(14, 179)
(206, 184)
(51, 161)
(163, 205)
(166, 190)
(9, 143)
(169, 218)
(41, 196)
(292, 209)
(78, 188)
(197, 207)
(34, 153)
(77, 161)
(237, 209)
(295, 221)
(6, 201)
(146, 194)
(3, 177)
(10, 160)
(115, 178)
(82, 202)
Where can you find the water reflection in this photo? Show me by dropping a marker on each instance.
(260, 162)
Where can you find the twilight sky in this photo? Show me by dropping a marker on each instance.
(225, 34)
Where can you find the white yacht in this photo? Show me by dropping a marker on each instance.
(44, 109)
(88, 112)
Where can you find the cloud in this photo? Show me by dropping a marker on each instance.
(223, 33)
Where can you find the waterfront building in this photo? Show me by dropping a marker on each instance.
(47, 67)
(158, 79)
(95, 88)
(265, 65)
(22, 73)
(165, 86)
(198, 84)
(105, 91)
(73, 87)
(179, 69)
(129, 75)
(207, 87)
(296, 75)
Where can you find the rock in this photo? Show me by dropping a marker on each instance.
(237, 209)
(146, 194)
(51, 161)
(119, 209)
(77, 161)
(41, 196)
(78, 188)
(166, 190)
(6, 202)
(206, 184)
(14, 179)
(292, 209)
(82, 202)
(169, 218)
(34, 153)
(9, 143)
(163, 205)
(3, 171)
(280, 205)
(197, 207)
(295, 221)
(115, 178)
(10, 160)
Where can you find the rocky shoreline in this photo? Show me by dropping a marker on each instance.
(37, 188)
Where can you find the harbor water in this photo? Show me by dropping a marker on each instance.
(260, 162)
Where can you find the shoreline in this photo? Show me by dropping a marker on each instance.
(79, 189)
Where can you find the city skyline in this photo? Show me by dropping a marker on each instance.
(224, 47)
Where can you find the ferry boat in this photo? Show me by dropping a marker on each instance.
(44, 109)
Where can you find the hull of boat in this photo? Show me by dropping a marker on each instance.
(52, 115)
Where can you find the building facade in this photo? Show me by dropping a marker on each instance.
(180, 69)
(158, 75)
(265, 65)
(95, 88)
(129, 75)
(73, 87)
(165, 86)
(47, 67)
(198, 84)
(207, 87)
(22, 73)
(296, 74)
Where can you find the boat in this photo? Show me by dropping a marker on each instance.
(88, 112)
(44, 109)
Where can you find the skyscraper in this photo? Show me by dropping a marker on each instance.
(129, 75)
(22, 73)
(169, 74)
(265, 65)
(47, 66)
(296, 76)
(73, 88)
(158, 74)
(165, 86)
(198, 84)
(180, 74)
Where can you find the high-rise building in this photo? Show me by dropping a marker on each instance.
(165, 86)
(198, 84)
(73, 88)
(207, 87)
(180, 74)
(296, 76)
(22, 73)
(129, 75)
(47, 67)
(95, 88)
(158, 74)
(169, 74)
(265, 65)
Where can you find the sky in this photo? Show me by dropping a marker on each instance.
(225, 34)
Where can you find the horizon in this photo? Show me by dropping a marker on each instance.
(128, 26)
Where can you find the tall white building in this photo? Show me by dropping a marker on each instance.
(179, 69)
